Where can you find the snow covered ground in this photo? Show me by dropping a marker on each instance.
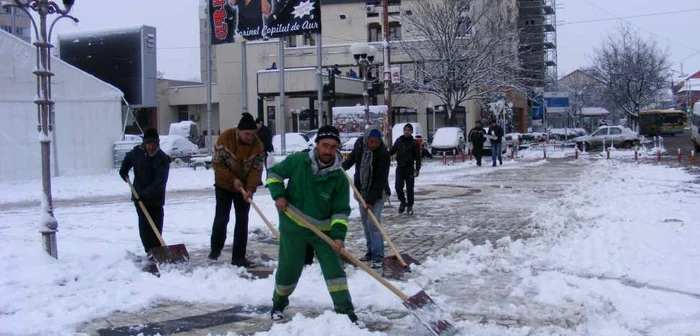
(616, 256)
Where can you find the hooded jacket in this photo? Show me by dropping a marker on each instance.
(379, 175)
(150, 174)
(320, 195)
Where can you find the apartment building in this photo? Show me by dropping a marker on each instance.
(16, 22)
(344, 22)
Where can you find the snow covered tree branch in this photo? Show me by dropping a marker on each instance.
(635, 70)
(460, 50)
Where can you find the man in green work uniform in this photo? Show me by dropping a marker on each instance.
(319, 191)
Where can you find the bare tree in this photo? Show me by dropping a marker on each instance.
(460, 50)
(634, 69)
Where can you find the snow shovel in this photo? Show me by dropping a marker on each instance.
(396, 264)
(420, 305)
(172, 254)
(257, 209)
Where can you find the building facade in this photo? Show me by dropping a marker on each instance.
(16, 22)
(344, 22)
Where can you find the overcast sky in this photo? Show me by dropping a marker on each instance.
(178, 30)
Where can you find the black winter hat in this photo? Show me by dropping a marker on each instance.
(247, 122)
(328, 132)
(408, 125)
(151, 136)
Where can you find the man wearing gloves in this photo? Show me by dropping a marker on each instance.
(238, 163)
(151, 168)
(319, 191)
(371, 160)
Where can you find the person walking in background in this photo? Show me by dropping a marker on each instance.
(238, 163)
(372, 162)
(151, 168)
(265, 135)
(496, 136)
(477, 139)
(408, 162)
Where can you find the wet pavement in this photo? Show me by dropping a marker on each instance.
(475, 204)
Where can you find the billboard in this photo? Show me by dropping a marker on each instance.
(556, 102)
(262, 19)
(124, 57)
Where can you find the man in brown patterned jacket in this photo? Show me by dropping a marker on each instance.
(238, 163)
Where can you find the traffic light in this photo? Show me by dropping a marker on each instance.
(688, 110)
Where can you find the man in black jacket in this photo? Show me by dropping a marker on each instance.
(265, 135)
(151, 167)
(407, 153)
(371, 161)
(496, 135)
(477, 139)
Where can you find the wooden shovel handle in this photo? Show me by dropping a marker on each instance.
(292, 214)
(145, 212)
(257, 209)
(376, 222)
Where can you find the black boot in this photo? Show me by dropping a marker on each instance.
(366, 257)
(402, 207)
(409, 210)
(214, 255)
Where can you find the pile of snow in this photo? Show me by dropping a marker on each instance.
(294, 142)
(183, 128)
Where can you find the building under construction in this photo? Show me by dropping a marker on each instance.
(538, 42)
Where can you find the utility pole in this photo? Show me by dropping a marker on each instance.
(387, 71)
(319, 79)
(208, 60)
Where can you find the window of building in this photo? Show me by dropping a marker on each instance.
(394, 2)
(6, 28)
(291, 41)
(182, 113)
(402, 115)
(374, 32)
(309, 39)
(394, 31)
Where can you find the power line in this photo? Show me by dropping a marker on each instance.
(631, 16)
(639, 27)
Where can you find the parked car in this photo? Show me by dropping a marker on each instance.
(562, 134)
(347, 146)
(619, 136)
(294, 142)
(448, 139)
(178, 147)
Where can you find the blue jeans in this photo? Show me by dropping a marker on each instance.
(373, 237)
(496, 153)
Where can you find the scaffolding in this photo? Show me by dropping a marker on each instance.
(537, 23)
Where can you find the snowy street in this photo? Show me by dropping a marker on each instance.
(557, 247)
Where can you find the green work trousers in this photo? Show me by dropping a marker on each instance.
(294, 240)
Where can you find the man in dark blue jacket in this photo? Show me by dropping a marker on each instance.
(408, 162)
(371, 161)
(496, 135)
(151, 167)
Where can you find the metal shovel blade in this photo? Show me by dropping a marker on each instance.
(429, 314)
(170, 254)
(394, 267)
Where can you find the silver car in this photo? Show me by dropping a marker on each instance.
(618, 136)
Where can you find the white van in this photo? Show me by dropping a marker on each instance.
(695, 126)
(397, 131)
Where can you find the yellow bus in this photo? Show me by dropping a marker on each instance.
(661, 122)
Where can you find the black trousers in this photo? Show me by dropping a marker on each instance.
(148, 237)
(478, 152)
(224, 199)
(405, 176)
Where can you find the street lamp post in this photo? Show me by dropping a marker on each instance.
(45, 106)
(364, 57)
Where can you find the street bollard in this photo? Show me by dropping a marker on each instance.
(463, 157)
(512, 154)
(576, 153)
(692, 158)
(470, 154)
(444, 158)
(636, 154)
(544, 151)
(454, 157)
(608, 152)
(658, 154)
(680, 158)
